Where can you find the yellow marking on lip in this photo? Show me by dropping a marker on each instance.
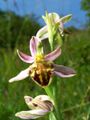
(40, 77)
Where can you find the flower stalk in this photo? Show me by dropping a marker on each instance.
(56, 113)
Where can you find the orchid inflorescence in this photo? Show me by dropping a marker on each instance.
(42, 68)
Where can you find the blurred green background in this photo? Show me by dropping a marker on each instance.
(73, 94)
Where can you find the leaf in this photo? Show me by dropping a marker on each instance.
(52, 116)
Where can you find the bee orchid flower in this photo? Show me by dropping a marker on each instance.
(39, 106)
(42, 68)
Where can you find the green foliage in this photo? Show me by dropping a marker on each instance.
(85, 4)
(15, 29)
(73, 94)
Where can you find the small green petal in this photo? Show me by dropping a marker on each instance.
(66, 18)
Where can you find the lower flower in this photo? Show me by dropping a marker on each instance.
(40, 106)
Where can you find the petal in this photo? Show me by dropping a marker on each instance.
(24, 57)
(53, 55)
(42, 33)
(66, 18)
(47, 101)
(43, 98)
(61, 25)
(22, 75)
(49, 105)
(33, 45)
(28, 101)
(39, 102)
(32, 114)
(63, 71)
(40, 112)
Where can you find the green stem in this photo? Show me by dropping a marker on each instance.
(76, 106)
(47, 90)
(56, 113)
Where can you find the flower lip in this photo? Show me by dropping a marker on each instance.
(41, 73)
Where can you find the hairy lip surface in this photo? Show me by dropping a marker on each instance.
(41, 73)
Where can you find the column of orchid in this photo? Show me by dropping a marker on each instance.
(42, 67)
